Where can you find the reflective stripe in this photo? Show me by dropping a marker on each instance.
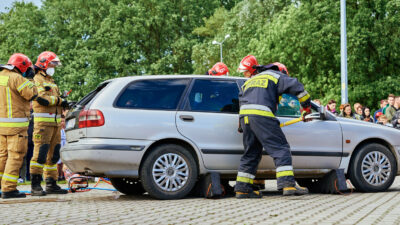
(248, 175)
(41, 119)
(36, 164)
(302, 94)
(50, 167)
(256, 106)
(23, 124)
(284, 173)
(245, 180)
(23, 85)
(9, 103)
(284, 168)
(275, 75)
(40, 89)
(49, 84)
(246, 120)
(10, 177)
(305, 98)
(15, 120)
(47, 115)
(53, 100)
(256, 112)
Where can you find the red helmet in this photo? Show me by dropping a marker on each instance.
(21, 61)
(247, 64)
(46, 58)
(219, 69)
(281, 67)
(378, 114)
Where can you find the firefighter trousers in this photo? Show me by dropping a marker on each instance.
(263, 132)
(46, 152)
(12, 152)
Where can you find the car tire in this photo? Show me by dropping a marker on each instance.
(127, 186)
(169, 172)
(373, 168)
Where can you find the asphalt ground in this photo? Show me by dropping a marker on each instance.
(107, 207)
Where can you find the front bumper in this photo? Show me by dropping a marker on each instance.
(95, 158)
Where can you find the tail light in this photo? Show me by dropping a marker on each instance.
(91, 118)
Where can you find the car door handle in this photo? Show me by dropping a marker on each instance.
(186, 118)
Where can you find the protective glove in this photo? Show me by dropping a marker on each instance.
(42, 101)
(47, 88)
(65, 104)
(304, 112)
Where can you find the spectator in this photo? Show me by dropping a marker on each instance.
(392, 109)
(331, 107)
(341, 109)
(366, 115)
(396, 120)
(384, 121)
(383, 103)
(390, 100)
(359, 112)
(347, 113)
(355, 106)
(317, 101)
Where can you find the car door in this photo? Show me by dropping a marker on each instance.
(314, 145)
(210, 119)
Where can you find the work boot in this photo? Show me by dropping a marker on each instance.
(296, 190)
(254, 194)
(36, 188)
(13, 194)
(53, 188)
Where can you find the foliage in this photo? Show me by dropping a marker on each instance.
(102, 39)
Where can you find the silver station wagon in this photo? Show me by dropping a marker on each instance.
(159, 134)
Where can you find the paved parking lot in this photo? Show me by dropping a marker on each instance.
(105, 207)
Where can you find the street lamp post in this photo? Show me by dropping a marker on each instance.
(343, 52)
(220, 44)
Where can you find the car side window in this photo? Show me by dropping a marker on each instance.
(152, 94)
(289, 106)
(214, 96)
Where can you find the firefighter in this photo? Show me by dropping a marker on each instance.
(258, 103)
(219, 69)
(47, 125)
(16, 91)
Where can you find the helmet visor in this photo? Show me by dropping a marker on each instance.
(55, 62)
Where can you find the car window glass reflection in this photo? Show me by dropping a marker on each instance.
(214, 96)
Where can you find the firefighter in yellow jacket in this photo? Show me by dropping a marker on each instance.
(46, 131)
(15, 94)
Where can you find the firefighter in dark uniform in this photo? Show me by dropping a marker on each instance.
(258, 103)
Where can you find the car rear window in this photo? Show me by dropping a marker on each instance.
(152, 94)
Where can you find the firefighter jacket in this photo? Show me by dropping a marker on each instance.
(15, 94)
(47, 115)
(260, 94)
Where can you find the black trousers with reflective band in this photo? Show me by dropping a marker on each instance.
(263, 132)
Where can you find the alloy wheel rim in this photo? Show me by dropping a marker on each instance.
(170, 172)
(376, 168)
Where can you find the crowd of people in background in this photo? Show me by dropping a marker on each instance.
(388, 114)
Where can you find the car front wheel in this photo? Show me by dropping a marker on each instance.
(373, 168)
(169, 172)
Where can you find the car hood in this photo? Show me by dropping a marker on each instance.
(358, 129)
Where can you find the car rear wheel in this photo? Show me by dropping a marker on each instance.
(373, 168)
(169, 172)
(128, 186)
